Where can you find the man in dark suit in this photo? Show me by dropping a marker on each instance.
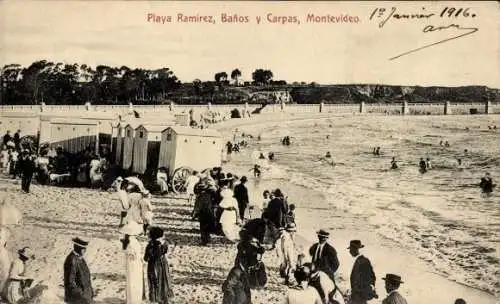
(324, 256)
(362, 276)
(392, 283)
(77, 283)
(241, 196)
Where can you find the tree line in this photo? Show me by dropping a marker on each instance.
(63, 83)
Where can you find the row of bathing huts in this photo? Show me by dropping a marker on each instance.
(137, 145)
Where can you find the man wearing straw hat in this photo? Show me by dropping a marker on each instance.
(392, 283)
(362, 276)
(77, 283)
(324, 256)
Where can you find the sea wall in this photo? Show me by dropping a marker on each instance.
(341, 108)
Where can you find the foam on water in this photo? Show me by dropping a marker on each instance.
(440, 216)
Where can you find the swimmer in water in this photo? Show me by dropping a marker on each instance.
(486, 184)
(271, 156)
(422, 165)
(446, 144)
(261, 156)
(394, 164)
(256, 171)
(327, 158)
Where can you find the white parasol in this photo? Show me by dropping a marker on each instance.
(9, 215)
(136, 181)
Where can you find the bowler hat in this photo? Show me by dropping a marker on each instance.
(323, 233)
(79, 242)
(393, 278)
(355, 244)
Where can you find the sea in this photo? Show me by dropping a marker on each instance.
(441, 216)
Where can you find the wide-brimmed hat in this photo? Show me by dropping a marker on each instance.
(355, 244)
(155, 233)
(80, 243)
(132, 228)
(323, 233)
(393, 278)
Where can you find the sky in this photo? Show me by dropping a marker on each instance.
(118, 33)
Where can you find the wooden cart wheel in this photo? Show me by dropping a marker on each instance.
(179, 178)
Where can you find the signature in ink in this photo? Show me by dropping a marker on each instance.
(431, 28)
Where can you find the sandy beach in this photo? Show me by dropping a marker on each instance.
(52, 216)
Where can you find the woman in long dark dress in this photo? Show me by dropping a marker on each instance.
(159, 280)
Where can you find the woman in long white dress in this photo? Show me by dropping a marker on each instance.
(133, 262)
(229, 219)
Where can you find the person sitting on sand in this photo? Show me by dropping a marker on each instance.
(392, 283)
(486, 184)
(422, 165)
(303, 293)
(159, 278)
(394, 163)
(18, 283)
(162, 180)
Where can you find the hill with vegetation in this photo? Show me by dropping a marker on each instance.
(62, 83)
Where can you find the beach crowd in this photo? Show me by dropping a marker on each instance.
(222, 206)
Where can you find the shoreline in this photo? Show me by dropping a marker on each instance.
(418, 273)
